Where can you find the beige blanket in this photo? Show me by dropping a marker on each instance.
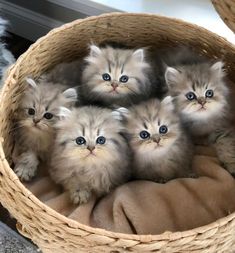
(145, 207)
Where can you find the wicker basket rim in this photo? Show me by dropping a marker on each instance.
(141, 238)
(72, 223)
(226, 12)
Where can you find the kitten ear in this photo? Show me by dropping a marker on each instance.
(31, 82)
(138, 55)
(64, 113)
(172, 76)
(120, 113)
(168, 103)
(94, 50)
(71, 94)
(217, 69)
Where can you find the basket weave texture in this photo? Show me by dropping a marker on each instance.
(226, 9)
(53, 232)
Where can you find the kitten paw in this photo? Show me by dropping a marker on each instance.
(24, 173)
(80, 196)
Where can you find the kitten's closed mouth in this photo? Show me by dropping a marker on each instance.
(115, 92)
(37, 127)
(90, 154)
(202, 109)
(158, 146)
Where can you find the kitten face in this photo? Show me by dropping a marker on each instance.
(40, 105)
(114, 74)
(90, 136)
(153, 128)
(199, 90)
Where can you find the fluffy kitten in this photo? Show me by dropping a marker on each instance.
(201, 97)
(90, 153)
(161, 148)
(116, 76)
(36, 116)
(6, 57)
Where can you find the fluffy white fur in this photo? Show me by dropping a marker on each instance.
(90, 167)
(160, 157)
(6, 57)
(34, 134)
(116, 62)
(210, 119)
(198, 79)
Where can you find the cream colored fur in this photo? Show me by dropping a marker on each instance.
(80, 170)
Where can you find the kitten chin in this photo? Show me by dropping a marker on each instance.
(116, 75)
(90, 154)
(35, 119)
(161, 148)
(202, 98)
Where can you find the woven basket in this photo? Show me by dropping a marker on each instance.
(226, 9)
(53, 232)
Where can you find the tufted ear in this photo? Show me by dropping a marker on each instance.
(31, 83)
(70, 94)
(64, 113)
(168, 103)
(94, 50)
(172, 76)
(138, 55)
(120, 113)
(217, 69)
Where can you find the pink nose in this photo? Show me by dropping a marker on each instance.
(114, 85)
(35, 121)
(91, 148)
(201, 100)
(157, 139)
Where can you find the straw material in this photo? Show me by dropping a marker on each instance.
(226, 10)
(53, 232)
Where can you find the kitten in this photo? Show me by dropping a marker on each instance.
(201, 96)
(116, 76)
(161, 148)
(36, 116)
(90, 152)
(6, 57)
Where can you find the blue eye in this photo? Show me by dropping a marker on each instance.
(101, 140)
(80, 140)
(123, 79)
(209, 93)
(106, 77)
(48, 115)
(31, 111)
(190, 96)
(144, 134)
(163, 129)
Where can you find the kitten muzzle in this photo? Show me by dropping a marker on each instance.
(114, 85)
(156, 139)
(201, 101)
(35, 121)
(91, 148)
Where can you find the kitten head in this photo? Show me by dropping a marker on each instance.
(199, 90)
(152, 126)
(40, 105)
(115, 74)
(91, 136)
